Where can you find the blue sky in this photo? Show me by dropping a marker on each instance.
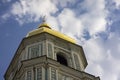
(95, 24)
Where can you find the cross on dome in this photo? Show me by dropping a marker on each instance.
(44, 24)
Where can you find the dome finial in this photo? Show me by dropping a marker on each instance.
(44, 24)
(44, 19)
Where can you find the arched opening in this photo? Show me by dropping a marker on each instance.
(62, 60)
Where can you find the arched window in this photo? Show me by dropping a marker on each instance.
(61, 59)
(34, 50)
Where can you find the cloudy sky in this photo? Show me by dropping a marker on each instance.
(95, 24)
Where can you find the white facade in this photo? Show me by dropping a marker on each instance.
(46, 57)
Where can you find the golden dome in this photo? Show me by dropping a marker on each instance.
(50, 31)
(44, 25)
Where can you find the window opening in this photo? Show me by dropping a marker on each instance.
(62, 60)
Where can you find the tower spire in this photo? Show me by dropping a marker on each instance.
(44, 24)
(44, 19)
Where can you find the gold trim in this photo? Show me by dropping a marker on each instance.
(50, 31)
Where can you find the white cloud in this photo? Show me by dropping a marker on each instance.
(95, 16)
(103, 56)
(53, 22)
(112, 61)
(112, 68)
(6, 16)
(69, 23)
(118, 47)
(94, 50)
(93, 20)
(32, 10)
(63, 3)
(95, 69)
(117, 2)
(113, 44)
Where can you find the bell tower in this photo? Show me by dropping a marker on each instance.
(46, 54)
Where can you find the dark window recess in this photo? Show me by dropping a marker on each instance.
(62, 60)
